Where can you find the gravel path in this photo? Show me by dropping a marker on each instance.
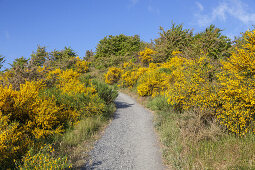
(129, 141)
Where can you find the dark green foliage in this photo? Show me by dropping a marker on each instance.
(20, 62)
(78, 102)
(113, 50)
(89, 54)
(174, 39)
(210, 42)
(105, 92)
(65, 54)
(159, 103)
(85, 79)
(39, 57)
(70, 102)
(165, 70)
(1, 61)
(64, 59)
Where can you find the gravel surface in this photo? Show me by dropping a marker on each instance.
(129, 142)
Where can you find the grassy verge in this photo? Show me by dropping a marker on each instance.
(78, 141)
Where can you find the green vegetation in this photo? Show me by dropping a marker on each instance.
(114, 50)
(190, 144)
(51, 109)
(202, 88)
(1, 61)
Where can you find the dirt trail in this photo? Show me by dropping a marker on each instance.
(129, 142)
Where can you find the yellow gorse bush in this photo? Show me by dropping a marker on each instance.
(131, 74)
(113, 75)
(40, 109)
(191, 85)
(151, 83)
(36, 118)
(44, 159)
(81, 66)
(200, 82)
(9, 138)
(237, 88)
(145, 55)
(68, 82)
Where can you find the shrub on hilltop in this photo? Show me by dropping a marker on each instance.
(114, 50)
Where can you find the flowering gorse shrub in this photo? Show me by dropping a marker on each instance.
(113, 75)
(36, 118)
(81, 66)
(131, 73)
(71, 90)
(44, 106)
(191, 85)
(44, 159)
(223, 86)
(237, 88)
(9, 139)
(151, 83)
(145, 55)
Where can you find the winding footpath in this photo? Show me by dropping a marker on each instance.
(129, 142)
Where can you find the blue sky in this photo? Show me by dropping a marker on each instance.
(81, 24)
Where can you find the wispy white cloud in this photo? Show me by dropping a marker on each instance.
(134, 2)
(152, 9)
(200, 6)
(234, 8)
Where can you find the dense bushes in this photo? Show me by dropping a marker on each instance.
(114, 50)
(209, 42)
(38, 102)
(237, 88)
(208, 80)
(174, 39)
(113, 75)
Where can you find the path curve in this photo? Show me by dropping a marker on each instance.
(129, 142)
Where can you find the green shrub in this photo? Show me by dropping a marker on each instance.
(174, 39)
(105, 92)
(1, 61)
(211, 43)
(39, 57)
(159, 103)
(85, 104)
(114, 50)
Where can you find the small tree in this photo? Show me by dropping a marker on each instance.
(114, 50)
(211, 43)
(64, 59)
(88, 54)
(62, 55)
(1, 61)
(175, 39)
(39, 57)
(20, 62)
